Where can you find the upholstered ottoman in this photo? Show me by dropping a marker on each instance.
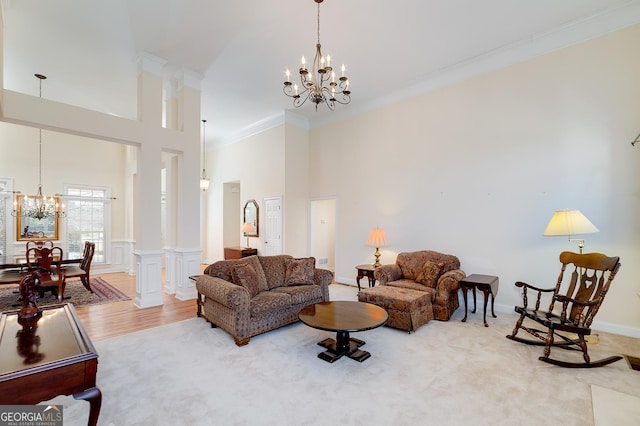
(408, 309)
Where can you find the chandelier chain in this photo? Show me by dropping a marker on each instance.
(38, 206)
(204, 180)
(40, 147)
(40, 162)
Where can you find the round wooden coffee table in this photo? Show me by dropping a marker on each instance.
(343, 317)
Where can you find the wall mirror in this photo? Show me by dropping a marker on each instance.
(251, 216)
(31, 228)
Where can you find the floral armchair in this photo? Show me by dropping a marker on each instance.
(430, 271)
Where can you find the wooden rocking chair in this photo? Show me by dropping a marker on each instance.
(589, 278)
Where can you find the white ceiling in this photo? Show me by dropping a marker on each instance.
(88, 48)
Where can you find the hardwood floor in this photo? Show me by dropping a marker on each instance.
(114, 319)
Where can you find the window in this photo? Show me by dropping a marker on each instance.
(88, 211)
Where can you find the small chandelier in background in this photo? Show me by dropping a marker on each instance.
(204, 180)
(38, 206)
(318, 84)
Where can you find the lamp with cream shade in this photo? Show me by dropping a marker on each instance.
(377, 239)
(248, 228)
(569, 223)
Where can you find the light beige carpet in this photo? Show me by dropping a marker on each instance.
(446, 373)
(611, 408)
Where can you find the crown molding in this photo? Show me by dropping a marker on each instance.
(534, 46)
(252, 129)
(151, 64)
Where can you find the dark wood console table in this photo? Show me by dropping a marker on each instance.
(238, 252)
(53, 358)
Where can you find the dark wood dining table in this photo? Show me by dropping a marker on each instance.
(11, 272)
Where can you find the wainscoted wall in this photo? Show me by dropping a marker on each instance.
(122, 256)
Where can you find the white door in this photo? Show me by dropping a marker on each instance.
(273, 226)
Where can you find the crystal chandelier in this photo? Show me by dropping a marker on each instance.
(318, 84)
(38, 206)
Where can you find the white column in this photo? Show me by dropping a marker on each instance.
(147, 188)
(187, 264)
(148, 278)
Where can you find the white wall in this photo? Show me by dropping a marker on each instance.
(150, 138)
(258, 164)
(231, 215)
(478, 168)
(322, 218)
(65, 160)
(296, 215)
(475, 169)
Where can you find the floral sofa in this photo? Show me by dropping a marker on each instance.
(255, 294)
(428, 271)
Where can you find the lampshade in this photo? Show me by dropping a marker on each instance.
(248, 228)
(376, 238)
(568, 223)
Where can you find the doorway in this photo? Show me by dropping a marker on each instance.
(322, 225)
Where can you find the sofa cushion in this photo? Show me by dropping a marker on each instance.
(302, 294)
(222, 269)
(429, 273)
(245, 275)
(299, 271)
(274, 269)
(400, 299)
(410, 284)
(268, 302)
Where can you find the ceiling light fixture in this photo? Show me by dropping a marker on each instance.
(319, 84)
(204, 180)
(38, 206)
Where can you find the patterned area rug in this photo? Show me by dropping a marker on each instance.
(75, 293)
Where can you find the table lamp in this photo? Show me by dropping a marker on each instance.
(568, 223)
(248, 228)
(377, 239)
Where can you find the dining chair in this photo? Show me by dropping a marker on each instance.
(84, 268)
(52, 276)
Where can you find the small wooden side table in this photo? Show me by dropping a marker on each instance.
(200, 299)
(366, 271)
(488, 284)
(239, 252)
